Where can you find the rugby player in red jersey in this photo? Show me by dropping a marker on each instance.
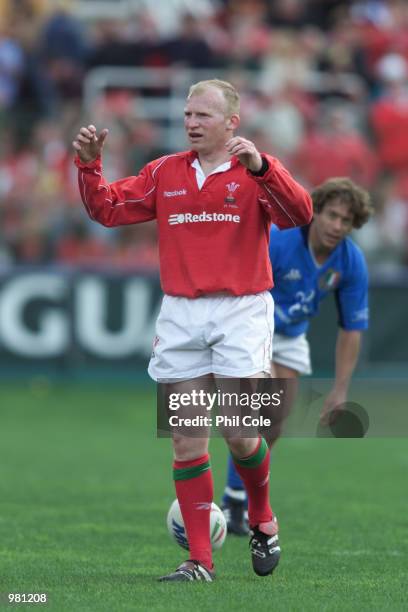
(214, 206)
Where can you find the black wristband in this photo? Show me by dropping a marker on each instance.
(263, 169)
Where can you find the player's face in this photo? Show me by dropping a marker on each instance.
(207, 122)
(332, 224)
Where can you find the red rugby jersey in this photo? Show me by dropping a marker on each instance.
(210, 240)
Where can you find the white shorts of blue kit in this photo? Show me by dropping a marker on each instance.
(292, 352)
(216, 334)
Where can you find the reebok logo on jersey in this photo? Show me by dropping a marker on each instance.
(204, 217)
(177, 192)
(293, 275)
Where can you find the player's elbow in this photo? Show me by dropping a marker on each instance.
(102, 219)
(107, 222)
(302, 212)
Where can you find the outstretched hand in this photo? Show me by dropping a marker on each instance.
(246, 152)
(88, 144)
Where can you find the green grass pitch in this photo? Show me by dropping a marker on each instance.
(85, 486)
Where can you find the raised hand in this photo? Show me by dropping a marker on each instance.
(88, 144)
(246, 152)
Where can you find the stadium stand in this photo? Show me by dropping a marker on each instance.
(325, 85)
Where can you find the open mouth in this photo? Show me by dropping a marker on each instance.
(194, 135)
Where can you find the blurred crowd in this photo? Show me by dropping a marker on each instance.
(328, 95)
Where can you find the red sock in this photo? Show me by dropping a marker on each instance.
(194, 488)
(254, 471)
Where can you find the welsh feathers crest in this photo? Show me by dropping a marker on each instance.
(232, 187)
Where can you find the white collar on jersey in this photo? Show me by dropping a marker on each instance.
(200, 176)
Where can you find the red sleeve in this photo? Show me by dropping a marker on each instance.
(285, 201)
(129, 200)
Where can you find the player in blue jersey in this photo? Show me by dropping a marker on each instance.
(309, 263)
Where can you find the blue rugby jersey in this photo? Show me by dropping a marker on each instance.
(301, 284)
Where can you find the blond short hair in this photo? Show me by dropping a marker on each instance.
(229, 92)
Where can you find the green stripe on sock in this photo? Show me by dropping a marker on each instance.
(255, 459)
(190, 472)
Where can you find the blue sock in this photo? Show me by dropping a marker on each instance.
(235, 487)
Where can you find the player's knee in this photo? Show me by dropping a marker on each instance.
(241, 447)
(187, 449)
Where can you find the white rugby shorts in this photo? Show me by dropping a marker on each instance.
(214, 334)
(292, 352)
